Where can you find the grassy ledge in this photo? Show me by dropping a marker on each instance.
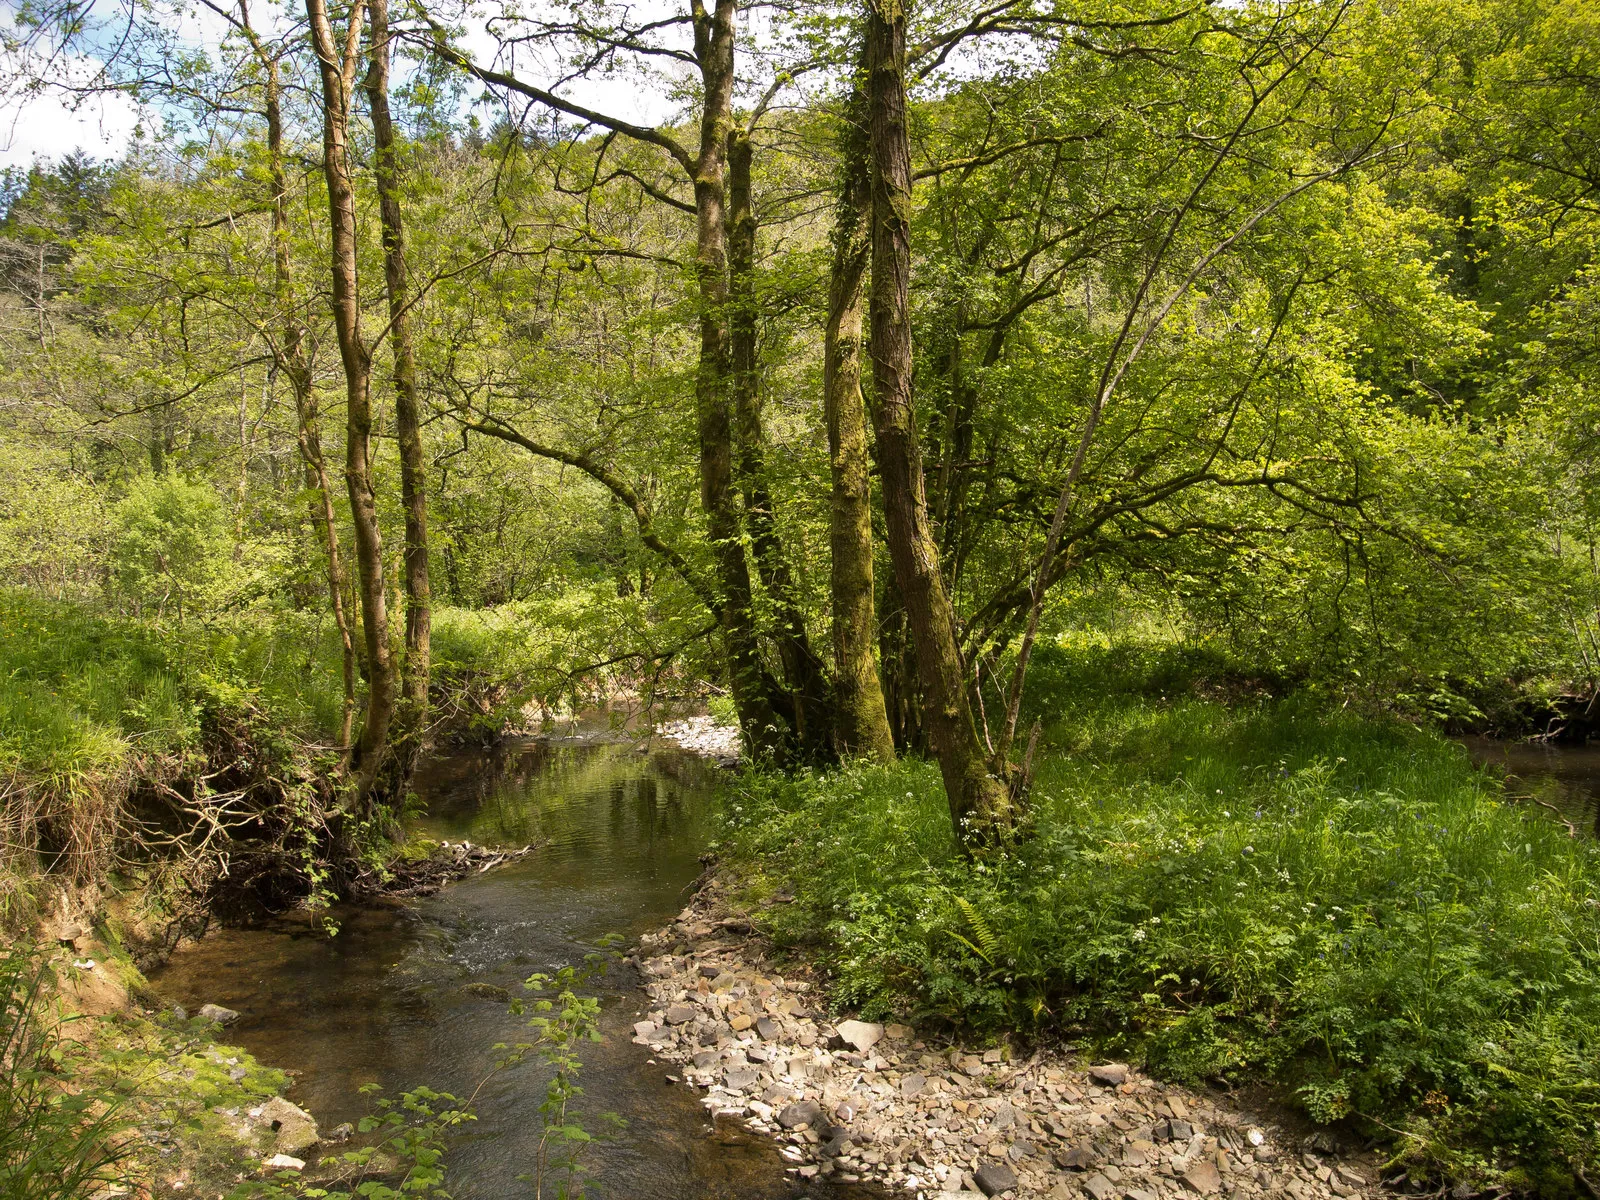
(1339, 905)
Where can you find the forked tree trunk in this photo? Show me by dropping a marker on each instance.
(764, 729)
(980, 805)
(808, 693)
(862, 722)
(407, 409)
(337, 68)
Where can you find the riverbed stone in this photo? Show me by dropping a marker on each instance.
(863, 1035)
(857, 1101)
(1204, 1178)
(740, 1079)
(801, 1112)
(296, 1128)
(680, 1014)
(994, 1177)
(215, 1012)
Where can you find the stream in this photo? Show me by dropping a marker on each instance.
(1564, 779)
(387, 1000)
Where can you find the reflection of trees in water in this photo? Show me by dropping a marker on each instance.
(521, 792)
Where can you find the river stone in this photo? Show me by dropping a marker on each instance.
(643, 1029)
(680, 1014)
(1110, 1074)
(994, 1177)
(801, 1112)
(297, 1131)
(1079, 1158)
(704, 1060)
(1101, 1188)
(215, 1012)
(1204, 1178)
(863, 1035)
(740, 1079)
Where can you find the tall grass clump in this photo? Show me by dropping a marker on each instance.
(58, 1141)
(1338, 904)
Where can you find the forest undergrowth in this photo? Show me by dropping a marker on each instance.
(1261, 890)
(135, 753)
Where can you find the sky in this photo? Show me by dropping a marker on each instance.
(45, 125)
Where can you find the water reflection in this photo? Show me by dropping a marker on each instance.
(391, 999)
(1566, 778)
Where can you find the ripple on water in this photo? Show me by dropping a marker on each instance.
(388, 1000)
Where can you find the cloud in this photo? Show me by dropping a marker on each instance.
(47, 125)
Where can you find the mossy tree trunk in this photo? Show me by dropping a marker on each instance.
(981, 808)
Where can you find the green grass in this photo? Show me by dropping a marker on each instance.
(92, 705)
(1341, 905)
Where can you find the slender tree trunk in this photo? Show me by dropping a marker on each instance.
(862, 724)
(337, 67)
(407, 410)
(803, 670)
(763, 728)
(980, 805)
(293, 359)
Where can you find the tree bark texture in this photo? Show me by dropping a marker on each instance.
(980, 805)
(764, 729)
(292, 358)
(407, 408)
(862, 721)
(337, 67)
(808, 706)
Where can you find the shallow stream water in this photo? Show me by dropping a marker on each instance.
(1565, 779)
(388, 1000)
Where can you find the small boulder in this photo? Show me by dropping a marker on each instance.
(215, 1012)
(863, 1035)
(1204, 1178)
(285, 1162)
(995, 1177)
(739, 1079)
(680, 1014)
(1101, 1188)
(801, 1112)
(1109, 1074)
(1081, 1157)
(297, 1130)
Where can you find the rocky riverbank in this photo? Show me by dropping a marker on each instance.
(918, 1114)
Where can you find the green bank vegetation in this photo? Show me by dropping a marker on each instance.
(1257, 890)
(886, 363)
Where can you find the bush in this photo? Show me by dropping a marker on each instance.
(1338, 904)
